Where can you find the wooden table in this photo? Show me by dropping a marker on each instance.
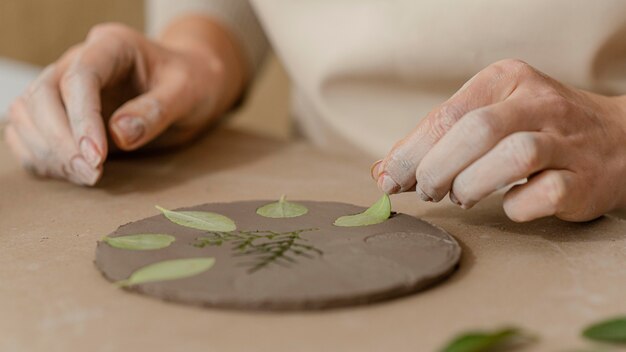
(548, 276)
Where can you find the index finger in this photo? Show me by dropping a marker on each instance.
(396, 173)
(103, 59)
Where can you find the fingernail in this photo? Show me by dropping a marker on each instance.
(130, 129)
(388, 185)
(374, 170)
(454, 199)
(85, 173)
(90, 152)
(423, 196)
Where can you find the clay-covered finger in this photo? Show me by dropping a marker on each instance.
(514, 158)
(550, 192)
(46, 110)
(493, 84)
(106, 57)
(471, 138)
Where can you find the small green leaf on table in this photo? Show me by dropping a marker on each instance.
(612, 330)
(482, 341)
(282, 209)
(377, 213)
(168, 270)
(140, 242)
(200, 220)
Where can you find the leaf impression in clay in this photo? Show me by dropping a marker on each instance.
(612, 330)
(264, 247)
(168, 270)
(282, 209)
(140, 242)
(486, 341)
(377, 213)
(200, 220)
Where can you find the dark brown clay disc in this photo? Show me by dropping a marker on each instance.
(321, 265)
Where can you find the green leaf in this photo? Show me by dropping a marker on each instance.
(282, 209)
(168, 270)
(612, 330)
(140, 242)
(481, 341)
(377, 213)
(200, 220)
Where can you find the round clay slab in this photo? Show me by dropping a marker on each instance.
(321, 266)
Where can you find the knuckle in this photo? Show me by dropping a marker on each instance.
(463, 191)
(523, 152)
(44, 80)
(514, 67)
(69, 78)
(558, 104)
(442, 120)
(73, 76)
(555, 189)
(16, 107)
(482, 124)
(108, 30)
(17, 112)
(182, 77)
(428, 182)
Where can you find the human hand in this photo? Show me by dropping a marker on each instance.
(508, 123)
(117, 83)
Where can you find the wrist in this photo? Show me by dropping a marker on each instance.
(214, 55)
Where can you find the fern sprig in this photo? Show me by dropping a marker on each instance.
(266, 247)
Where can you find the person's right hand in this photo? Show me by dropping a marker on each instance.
(117, 84)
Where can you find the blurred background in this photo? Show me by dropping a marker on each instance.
(34, 33)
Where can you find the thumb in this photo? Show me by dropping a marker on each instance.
(145, 117)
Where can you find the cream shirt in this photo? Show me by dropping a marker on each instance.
(365, 72)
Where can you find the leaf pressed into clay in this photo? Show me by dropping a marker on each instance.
(482, 341)
(613, 330)
(200, 220)
(282, 209)
(140, 242)
(377, 213)
(169, 270)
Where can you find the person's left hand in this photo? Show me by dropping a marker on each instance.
(511, 122)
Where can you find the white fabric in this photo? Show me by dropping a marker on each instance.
(365, 72)
(16, 76)
(237, 15)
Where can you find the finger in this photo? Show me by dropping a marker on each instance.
(472, 137)
(551, 192)
(17, 147)
(42, 158)
(140, 120)
(515, 158)
(105, 58)
(48, 114)
(493, 84)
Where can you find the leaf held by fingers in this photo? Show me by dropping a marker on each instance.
(377, 213)
(282, 209)
(484, 341)
(140, 242)
(168, 270)
(200, 220)
(613, 330)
